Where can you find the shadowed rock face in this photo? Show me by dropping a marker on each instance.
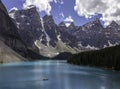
(28, 32)
(9, 37)
(8, 32)
(2, 7)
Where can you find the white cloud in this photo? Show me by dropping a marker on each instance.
(69, 19)
(55, 1)
(59, 1)
(62, 15)
(110, 9)
(42, 5)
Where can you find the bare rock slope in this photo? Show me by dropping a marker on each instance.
(8, 55)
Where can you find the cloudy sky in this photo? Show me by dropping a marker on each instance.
(77, 11)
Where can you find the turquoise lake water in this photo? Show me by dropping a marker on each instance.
(56, 75)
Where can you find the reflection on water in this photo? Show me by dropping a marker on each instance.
(56, 75)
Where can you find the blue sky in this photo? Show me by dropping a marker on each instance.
(67, 8)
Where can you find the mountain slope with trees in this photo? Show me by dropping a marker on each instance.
(105, 58)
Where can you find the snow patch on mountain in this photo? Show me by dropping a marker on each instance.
(110, 44)
(23, 16)
(18, 24)
(43, 28)
(13, 9)
(36, 43)
(12, 15)
(45, 50)
(58, 37)
(91, 47)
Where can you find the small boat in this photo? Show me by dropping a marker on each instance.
(45, 79)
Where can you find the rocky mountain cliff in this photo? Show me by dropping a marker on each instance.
(43, 33)
(52, 39)
(10, 37)
(93, 34)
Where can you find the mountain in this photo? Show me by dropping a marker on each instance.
(35, 37)
(24, 19)
(10, 36)
(105, 58)
(52, 39)
(49, 38)
(94, 35)
(91, 34)
(9, 39)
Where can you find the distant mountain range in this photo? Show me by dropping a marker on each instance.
(52, 39)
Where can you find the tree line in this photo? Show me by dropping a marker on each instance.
(105, 58)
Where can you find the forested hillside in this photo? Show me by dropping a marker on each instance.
(105, 58)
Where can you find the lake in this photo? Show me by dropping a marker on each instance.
(56, 75)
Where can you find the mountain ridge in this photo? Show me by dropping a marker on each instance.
(46, 34)
(43, 32)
